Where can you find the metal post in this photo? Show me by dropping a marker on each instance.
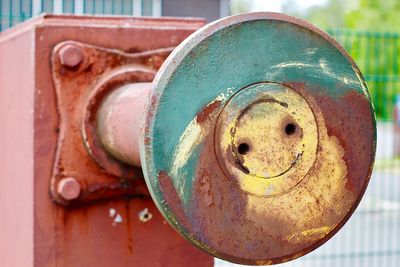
(10, 15)
(137, 7)
(157, 8)
(224, 8)
(79, 7)
(1, 18)
(58, 6)
(36, 7)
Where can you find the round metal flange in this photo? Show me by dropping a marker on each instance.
(259, 138)
(95, 144)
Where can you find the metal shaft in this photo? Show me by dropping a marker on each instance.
(120, 120)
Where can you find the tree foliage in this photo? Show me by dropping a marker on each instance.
(371, 15)
(240, 6)
(376, 15)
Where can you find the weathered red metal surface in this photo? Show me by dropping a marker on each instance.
(81, 87)
(123, 231)
(17, 149)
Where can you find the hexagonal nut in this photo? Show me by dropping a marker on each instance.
(71, 56)
(69, 188)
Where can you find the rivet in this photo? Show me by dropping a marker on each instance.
(69, 188)
(71, 56)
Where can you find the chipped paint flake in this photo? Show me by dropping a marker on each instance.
(112, 212)
(117, 219)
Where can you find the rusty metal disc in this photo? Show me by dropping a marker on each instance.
(259, 138)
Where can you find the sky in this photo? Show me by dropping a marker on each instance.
(276, 5)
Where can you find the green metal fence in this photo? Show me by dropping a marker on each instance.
(378, 56)
(13, 12)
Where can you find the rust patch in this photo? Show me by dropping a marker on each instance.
(228, 221)
(129, 227)
(218, 210)
(204, 114)
(355, 140)
(147, 140)
(205, 189)
(173, 200)
(355, 133)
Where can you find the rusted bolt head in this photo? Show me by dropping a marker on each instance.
(69, 188)
(71, 56)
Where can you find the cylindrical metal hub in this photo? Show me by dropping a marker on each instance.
(120, 120)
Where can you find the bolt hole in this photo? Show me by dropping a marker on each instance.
(243, 148)
(290, 129)
(145, 215)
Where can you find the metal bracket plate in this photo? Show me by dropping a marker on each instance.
(83, 74)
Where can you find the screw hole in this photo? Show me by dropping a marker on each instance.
(243, 148)
(145, 215)
(290, 129)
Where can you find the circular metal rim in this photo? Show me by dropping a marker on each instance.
(176, 58)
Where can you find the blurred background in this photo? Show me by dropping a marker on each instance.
(370, 32)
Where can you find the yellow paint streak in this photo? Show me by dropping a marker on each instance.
(315, 206)
(191, 138)
(313, 233)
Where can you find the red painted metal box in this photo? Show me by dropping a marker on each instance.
(35, 230)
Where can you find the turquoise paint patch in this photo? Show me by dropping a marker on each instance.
(183, 180)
